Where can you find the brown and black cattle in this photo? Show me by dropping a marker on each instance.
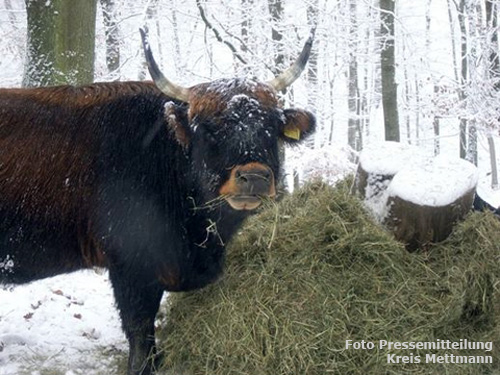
(149, 180)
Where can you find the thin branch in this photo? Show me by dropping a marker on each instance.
(217, 34)
(261, 61)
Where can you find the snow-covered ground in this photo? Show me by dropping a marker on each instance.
(67, 324)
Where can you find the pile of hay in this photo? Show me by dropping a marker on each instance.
(313, 271)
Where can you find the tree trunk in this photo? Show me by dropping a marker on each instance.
(407, 102)
(389, 86)
(437, 145)
(112, 37)
(493, 162)
(151, 14)
(453, 46)
(353, 123)
(61, 40)
(463, 75)
(417, 115)
(331, 134)
(472, 145)
(494, 71)
(276, 12)
(312, 74)
(246, 14)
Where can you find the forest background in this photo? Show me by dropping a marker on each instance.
(423, 72)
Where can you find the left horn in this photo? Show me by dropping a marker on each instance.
(167, 87)
(286, 78)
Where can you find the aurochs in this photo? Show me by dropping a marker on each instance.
(147, 179)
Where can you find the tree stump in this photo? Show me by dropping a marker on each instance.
(425, 201)
(378, 164)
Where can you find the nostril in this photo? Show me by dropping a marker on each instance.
(240, 176)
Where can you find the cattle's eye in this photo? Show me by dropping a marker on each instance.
(210, 133)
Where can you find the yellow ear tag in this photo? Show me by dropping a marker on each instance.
(293, 133)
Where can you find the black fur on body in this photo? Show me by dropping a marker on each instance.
(118, 175)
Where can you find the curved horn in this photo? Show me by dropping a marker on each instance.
(167, 87)
(286, 78)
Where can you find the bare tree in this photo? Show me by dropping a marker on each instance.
(276, 12)
(246, 23)
(353, 100)
(111, 30)
(388, 65)
(494, 72)
(462, 22)
(312, 65)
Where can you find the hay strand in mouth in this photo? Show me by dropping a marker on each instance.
(218, 201)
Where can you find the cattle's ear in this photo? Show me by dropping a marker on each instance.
(177, 123)
(298, 125)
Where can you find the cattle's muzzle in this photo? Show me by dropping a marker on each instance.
(248, 185)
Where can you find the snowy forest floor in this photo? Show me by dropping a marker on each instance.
(65, 325)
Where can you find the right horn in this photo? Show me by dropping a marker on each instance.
(286, 78)
(168, 88)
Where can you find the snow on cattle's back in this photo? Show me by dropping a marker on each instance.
(437, 182)
(66, 324)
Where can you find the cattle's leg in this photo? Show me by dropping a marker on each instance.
(138, 303)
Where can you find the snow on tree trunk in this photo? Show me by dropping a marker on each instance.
(61, 41)
(426, 200)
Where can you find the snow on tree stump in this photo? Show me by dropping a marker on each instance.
(425, 201)
(378, 164)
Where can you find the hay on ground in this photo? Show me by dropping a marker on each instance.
(313, 271)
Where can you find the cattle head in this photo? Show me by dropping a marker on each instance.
(231, 128)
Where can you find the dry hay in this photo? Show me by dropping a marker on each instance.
(313, 271)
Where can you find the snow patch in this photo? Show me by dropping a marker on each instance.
(239, 98)
(487, 193)
(437, 182)
(388, 158)
(329, 163)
